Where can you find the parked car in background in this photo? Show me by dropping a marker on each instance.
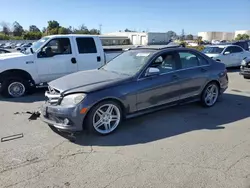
(136, 82)
(50, 58)
(18, 45)
(2, 45)
(3, 51)
(215, 42)
(245, 68)
(7, 45)
(230, 55)
(24, 47)
(245, 44)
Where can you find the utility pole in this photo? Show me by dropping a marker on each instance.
(100, 28)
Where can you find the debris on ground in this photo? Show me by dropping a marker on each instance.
(11, 137)
(34, 115)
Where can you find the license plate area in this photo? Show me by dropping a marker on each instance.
(45, 111)
(246, 69)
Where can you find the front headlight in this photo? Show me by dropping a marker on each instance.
(243, 63)
(73, 99)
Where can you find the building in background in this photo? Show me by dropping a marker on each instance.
(114, 40)
(143, 38)
(214, 35)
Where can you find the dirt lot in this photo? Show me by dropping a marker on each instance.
(186, 146)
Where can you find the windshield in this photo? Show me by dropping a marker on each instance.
(213, 50)
(36, 45)
(129, 62)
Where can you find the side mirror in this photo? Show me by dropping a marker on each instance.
(48, 52)
(151, 71)
(226, 53)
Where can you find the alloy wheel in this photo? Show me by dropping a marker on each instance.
(211, 94)
(106, 118)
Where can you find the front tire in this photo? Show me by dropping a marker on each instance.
(104, 118)
(14, 87)
(210, 94)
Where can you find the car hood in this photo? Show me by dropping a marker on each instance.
(87, 81)
(12, 55)
(212, 55)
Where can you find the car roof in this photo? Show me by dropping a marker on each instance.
(155, 47)
(72, 35)
(222, 45)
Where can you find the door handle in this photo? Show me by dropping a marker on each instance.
(73, 60)
(98, 58)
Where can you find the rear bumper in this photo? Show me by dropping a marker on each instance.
(244, 71)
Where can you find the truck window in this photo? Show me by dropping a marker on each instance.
(86, 45)
(59, 46)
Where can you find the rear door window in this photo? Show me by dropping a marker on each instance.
(236, 49)
(86, 45)
(189, 60)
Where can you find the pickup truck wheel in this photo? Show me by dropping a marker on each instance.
(104, 118)
(14, 87)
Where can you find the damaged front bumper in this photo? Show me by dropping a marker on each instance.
(67, 119)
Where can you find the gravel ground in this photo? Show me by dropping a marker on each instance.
(186, 146)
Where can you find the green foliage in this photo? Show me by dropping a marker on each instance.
(199, 40)
(32, 35)
(242, 37)
(199, 48)
(189, 37)
(52, 24)
(63, 30)
(18, 29)
(53, 31)
(34, 28)
(171, 34)
(4, 37)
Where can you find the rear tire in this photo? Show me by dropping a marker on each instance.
(210, 94)
(14, 87)
(104, 118)
(247, 77)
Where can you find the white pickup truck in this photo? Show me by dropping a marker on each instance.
(50, 58)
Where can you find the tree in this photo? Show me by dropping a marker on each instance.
(32, 35)
(63, 30)
(94, 32)
(53, 27)
(199, 40)
(171, 35)
(6, 28)
(82, 30)
(182, 37)
(242, 37)
(44, 30)
(127, 30)
(34, 28)
(52, 24)
(189, 37)
(17, 29)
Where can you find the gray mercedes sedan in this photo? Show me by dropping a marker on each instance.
(136, 82)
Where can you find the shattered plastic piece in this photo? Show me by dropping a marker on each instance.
(35, 115)
(11, 137)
